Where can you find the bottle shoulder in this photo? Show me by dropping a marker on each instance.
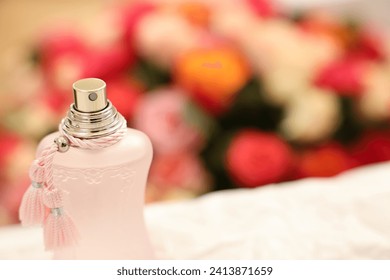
(135, 146)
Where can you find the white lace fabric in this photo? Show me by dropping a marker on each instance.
(345, 217)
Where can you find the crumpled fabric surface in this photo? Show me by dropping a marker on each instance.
(345, 217)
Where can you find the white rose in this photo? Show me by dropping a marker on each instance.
(32, 121)
(311, 117)
(278, 43)
(286, 58)
(162, 36)
(102, 30)
(281, 85)
(237, 28)
(374, 103)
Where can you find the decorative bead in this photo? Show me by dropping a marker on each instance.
(36, 185)
(62, 143)
(57, 211)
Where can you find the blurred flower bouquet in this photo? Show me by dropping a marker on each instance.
(231, 93)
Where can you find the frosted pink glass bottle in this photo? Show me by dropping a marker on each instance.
(103, 189)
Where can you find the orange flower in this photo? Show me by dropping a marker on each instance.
(328, 26)
(325, 161)
(196, 13)
(213, 76)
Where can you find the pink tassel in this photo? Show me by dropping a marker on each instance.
(59, 229)
(32, 210)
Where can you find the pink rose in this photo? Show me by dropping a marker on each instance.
(178, 170)
(170, 173)
(161, 116)
(262, 8)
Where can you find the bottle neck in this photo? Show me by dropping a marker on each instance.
(92, 125)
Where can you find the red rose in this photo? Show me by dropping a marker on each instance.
(344, 76)
(327, 160)
(59, 42)
(108, 62)
(368, 46)
(65, 58)
(12, 196)
(373, 147)
(62, 57)
(124, 95)
(256, 158)
(56, 100)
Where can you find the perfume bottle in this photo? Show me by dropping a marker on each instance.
(103, 189)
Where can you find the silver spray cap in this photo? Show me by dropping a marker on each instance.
(91, 115)
(90, 95)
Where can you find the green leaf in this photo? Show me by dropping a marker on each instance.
(150, 74)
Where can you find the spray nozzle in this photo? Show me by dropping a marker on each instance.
(90, 95)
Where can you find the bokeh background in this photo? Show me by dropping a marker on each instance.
(233, 94)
